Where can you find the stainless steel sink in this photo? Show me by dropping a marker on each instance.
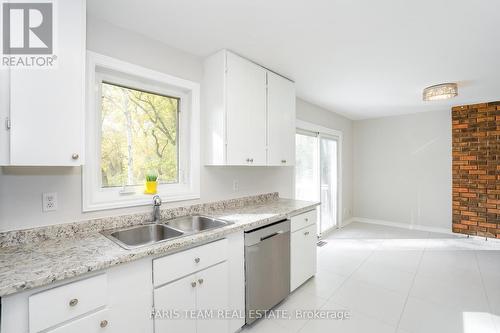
(149, 234)
(143, 235)
(194, 224)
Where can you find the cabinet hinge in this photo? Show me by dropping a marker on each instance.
(7, 123)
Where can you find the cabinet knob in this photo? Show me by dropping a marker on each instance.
(193, 284)
(197, 260)
(73, 302)
(251, 160)
(248, 160)
(104, 323)
(306, 233)
(200, 281)
(283, 161)
(307, 220)
(75, 156)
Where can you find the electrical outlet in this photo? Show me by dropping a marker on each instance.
(236, 186)
(49, 201)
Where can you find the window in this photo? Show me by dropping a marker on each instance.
(138, 136)
(139, 122)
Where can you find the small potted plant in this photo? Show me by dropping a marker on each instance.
(151, 183)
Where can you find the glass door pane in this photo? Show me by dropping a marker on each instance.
(328, 181)
(306, 168)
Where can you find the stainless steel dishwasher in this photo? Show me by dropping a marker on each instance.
(267, 267)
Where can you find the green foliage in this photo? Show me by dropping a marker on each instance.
(151, 177)
(139, 133)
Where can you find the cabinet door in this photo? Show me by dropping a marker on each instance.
(302, 256)
(281, 120)
(95, 323)
(246, 112)
(4, 116)
(176, 296)
(47, 103)
(212, 295)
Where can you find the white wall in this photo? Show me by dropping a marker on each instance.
(21, 188)
(402, 169)
(314, 114)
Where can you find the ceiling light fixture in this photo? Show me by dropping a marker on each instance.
(440, 92)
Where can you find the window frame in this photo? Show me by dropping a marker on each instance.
(102, 68)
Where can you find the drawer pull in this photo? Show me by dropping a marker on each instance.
(283, 161)
(197, 260)
(306, 233)
(104, 323)
(193, 284)
(200, 281)
(73, 302)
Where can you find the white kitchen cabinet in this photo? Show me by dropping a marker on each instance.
(4, 116)
(303, 250)
(212, 295)
(120, 299)
(177, 296)
(246, 112)
(198, 293)
(97, 322)
(46, 106)
(280, 120)
(243, 115)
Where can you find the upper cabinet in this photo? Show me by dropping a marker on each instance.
(245, 112)
(280, 120)
(44, 118)
(250, 113)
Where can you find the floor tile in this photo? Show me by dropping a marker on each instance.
(379, 303)
(357, 323)
(451, 293)
(407, 261)
(298, 301)
(422, 316)
(264, 326)
(324, 284)
(384, 276)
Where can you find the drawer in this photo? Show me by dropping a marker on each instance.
(303, 220)
(180, 264)
(54, 306)
(94, 323)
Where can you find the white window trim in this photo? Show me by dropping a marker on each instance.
(116, 71)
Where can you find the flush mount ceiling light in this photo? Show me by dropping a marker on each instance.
(440, 92)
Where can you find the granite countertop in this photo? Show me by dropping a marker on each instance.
(30, 265)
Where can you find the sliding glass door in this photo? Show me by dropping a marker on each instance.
(328, 182)
(316, 175)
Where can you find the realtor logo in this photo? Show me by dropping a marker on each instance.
(27, 28)
(28, 35)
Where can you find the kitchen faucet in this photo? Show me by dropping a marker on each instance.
(156, 208)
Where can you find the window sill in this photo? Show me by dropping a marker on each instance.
(134, 200)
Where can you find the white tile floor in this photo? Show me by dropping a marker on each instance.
(397, 280)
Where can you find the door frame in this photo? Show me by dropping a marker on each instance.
(337, 134)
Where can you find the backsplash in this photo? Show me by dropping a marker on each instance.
(69, 230)
(476, 169)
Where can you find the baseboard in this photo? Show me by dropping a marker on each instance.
(404, 225)
(347, 222)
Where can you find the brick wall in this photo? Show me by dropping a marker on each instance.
(476, 169)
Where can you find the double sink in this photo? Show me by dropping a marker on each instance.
(149, 234)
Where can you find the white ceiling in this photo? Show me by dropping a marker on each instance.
(360, 58)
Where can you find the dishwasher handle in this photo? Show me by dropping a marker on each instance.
(258, 235)
(271, 235)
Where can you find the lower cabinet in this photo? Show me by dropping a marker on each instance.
(95, 323)
(203, 280)
(303, 252)
(192, 304)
